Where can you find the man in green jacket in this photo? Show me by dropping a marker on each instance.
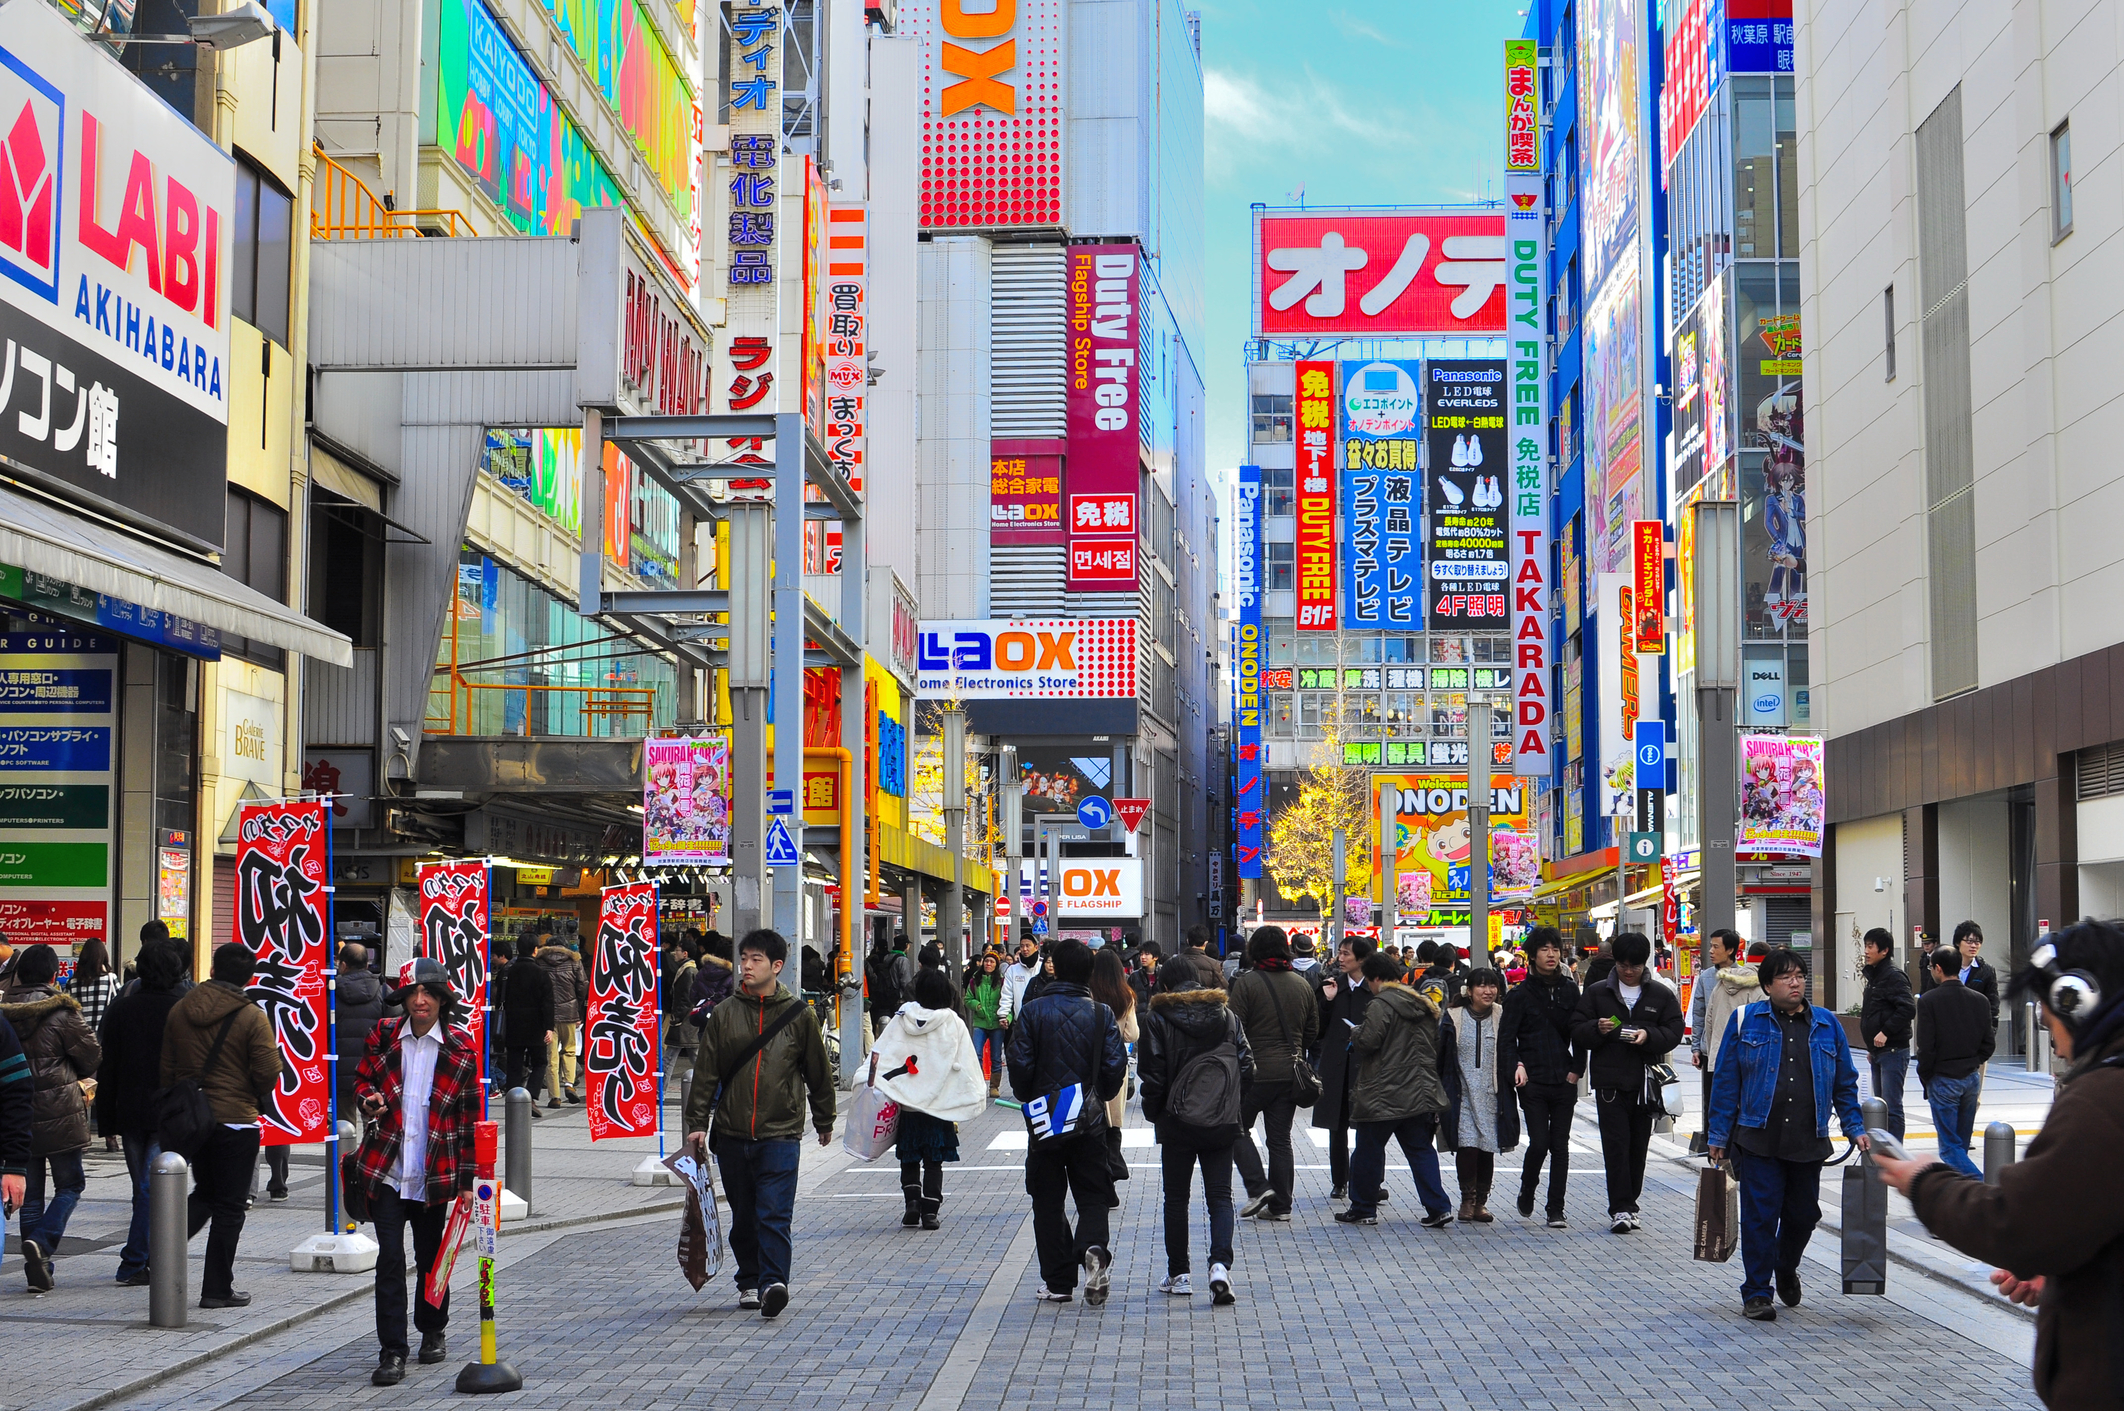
(1407, 1063)
(759, 1052)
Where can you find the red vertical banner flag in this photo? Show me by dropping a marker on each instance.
(284, 918)
(1315, 406)
(619, 1044)
(1649, 555)
(455, 929)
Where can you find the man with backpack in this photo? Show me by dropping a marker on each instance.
(218, 1040)
(1066, 1062)
(890, 975)
(1196, 1068)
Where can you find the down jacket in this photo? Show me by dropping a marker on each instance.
(61, 1052)
(1405, 1058)
(571, 987)
(249, 1064)
(1181, 1025)
(1063, 1037)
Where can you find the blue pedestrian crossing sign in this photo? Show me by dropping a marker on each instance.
(1095, 812)
(781, 852)
(1039, 926)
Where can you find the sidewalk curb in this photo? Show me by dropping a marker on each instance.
(365, 1289)
(1833, 1222)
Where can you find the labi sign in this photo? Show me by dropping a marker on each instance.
(117, 222)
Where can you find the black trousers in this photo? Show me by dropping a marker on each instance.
(1549, 1108)
(1077, 1167)
(1279, 1108)
(527, 1066)
(393, 1218)
(221, 1189)
(1625, 1134)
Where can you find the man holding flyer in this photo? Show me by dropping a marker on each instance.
(419, 1093)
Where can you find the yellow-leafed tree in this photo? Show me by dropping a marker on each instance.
(1301, 851)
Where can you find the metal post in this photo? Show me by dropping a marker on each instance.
(1478, 828)
(1013, 837)
(951, 914)
(791, 446)
(1389, 865)
(1339, 863)
(169, 1183)
(1998, 1151)
(1874, 1113)
(345, 1145)
(1717, 578)
(518, 1155)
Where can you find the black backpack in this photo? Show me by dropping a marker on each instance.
(1206, 1091)
(886, 991)
(183, 1116)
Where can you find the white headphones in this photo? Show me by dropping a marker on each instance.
(2072, 995)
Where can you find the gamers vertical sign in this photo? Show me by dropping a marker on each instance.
(117, 226)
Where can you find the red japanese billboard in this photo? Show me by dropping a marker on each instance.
(454, 898)
(1649, 555)
(1315, 579)
(620, 1034)
(1104, 408)
(1374, 274)
(284, 918)
(1692, 74)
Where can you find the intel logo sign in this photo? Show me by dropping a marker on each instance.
(1767, 704)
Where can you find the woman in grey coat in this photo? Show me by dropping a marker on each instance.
(1485, 1118)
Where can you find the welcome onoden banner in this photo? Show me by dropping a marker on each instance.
(454, 929)
(284, 918)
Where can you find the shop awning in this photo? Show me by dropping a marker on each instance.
(39, 537)
(1637, 901)
(1556, 887)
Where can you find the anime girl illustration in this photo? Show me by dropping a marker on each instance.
(1803, 808)
(1785, 511)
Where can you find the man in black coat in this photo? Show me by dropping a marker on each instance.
(1885, 1015)
(1537, 1024)
(130, 1073)
(358, 1003)
(1343, 1002)
(1955, 1038)
(527, 1019)
(1066, 1045)
(1975, 972)
(1627, 1023)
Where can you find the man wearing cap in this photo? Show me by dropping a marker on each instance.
(2051, 1220)
(419, 1093)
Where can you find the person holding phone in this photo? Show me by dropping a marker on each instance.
(1627, 1021)
(1785, 1066)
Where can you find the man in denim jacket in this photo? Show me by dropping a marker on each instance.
(1783, 1064)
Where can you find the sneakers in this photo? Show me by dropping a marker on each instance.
(1788, 1287)
(748, 1298)
(1178, 1285)
(773, 1299)
(1526, 1204)
(1437, 1220)
(1098, 1266)
(1283, 1216)
(1048, 1295)
(36, 1267)
(1255, 1206)
(1221, 1286)
(1760, 1309)
(1620, 1223)
(1635, 1223)
(1557, 1222)
(1353, 1216)
(136, 1280)
(434, 1347)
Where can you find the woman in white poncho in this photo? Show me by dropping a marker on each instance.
(926, 1063)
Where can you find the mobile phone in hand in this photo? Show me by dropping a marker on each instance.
(1886, 1144)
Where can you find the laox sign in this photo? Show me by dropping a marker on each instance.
(976, 69)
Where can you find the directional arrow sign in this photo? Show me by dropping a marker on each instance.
(781, 852)
(1131, 811)
(781, 802)
(1094, 812)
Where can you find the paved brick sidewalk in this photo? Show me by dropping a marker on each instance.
(1510, 1314)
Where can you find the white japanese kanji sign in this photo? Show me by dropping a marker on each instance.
(1378, 274)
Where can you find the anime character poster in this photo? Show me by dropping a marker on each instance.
(1782, 804)
(1426, 818)
(1773, 460)
(686, 801)
(284, 918)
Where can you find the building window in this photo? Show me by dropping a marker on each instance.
(2061, 182)
(265, 248)
(254, 552)
(1272, 418)
(1888, 329)
(1282, 567)
(1279, 489)
(1282, 633)
(346, 566)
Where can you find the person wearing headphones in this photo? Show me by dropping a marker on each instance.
(2048, 1222)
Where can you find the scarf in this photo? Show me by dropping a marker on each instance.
(1272, 964)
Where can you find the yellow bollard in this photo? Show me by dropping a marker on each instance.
(489, 1373)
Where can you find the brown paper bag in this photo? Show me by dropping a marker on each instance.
(1717, 1215)
(700, 1244)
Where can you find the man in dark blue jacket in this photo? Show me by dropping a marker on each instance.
(1784, 1066)
(1066, 1061)
(1537, 1025)
(129, 1077)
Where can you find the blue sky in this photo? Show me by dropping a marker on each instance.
(1371, 102)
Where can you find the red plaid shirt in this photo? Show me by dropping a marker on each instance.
(453, 1106)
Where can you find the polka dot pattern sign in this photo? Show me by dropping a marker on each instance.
(991, 120)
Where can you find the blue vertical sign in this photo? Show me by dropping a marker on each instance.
(1382, 428)
(1248, 804)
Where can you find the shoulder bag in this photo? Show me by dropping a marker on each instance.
(1075, 1109)
(183, 1116)
(751, 1051)
(1305, 1081)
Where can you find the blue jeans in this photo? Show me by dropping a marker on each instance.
(761, 1180)
(1780, 1204)
(1891, 1066)
(1954, 1107)
(1368, 1163)
(990, 1042)
(141, 1149)
(46, 1223)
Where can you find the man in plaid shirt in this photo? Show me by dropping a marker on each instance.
(419, 1091)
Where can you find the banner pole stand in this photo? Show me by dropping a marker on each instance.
(652, 1171)
(489, 1373)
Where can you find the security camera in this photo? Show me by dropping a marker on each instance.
(400, 738)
